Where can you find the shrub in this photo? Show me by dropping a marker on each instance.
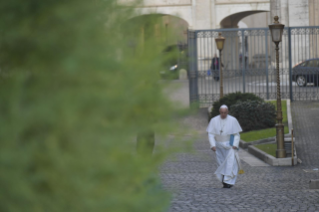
(233, 98)
(254, 115)
(74, 93)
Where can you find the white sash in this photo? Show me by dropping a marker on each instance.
(222, 138)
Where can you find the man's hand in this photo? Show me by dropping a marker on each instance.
(214, 149)
(234, 147)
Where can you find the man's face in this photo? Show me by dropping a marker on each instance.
(215, 55)
(223, 112)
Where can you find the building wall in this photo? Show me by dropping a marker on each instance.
(292, 12)
(200, 14)
(208, 14)
(214, 14)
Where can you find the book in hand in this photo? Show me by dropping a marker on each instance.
(231, 140)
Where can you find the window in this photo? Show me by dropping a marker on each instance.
(304, 64)
(311, 63)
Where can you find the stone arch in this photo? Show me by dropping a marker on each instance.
(228, 15)
(168, 24)
(178, 12)
(232, 21)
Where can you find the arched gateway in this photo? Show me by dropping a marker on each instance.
(248, 55)
(201, 14)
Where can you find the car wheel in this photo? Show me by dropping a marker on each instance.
(301, 81)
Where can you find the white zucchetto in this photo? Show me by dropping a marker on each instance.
(223, 107)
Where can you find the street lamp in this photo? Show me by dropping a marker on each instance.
(220, 45)
(276, 30)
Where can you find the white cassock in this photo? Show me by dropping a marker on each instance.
(219, 132)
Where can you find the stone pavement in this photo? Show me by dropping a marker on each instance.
(262, 188)
(306, 126)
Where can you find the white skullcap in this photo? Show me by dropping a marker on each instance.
(223, 107)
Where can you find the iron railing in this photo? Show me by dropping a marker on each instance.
(249, 63)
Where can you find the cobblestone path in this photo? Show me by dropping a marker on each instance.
(262, 188)
(306, 126)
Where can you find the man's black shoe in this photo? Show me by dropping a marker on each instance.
(227, 185)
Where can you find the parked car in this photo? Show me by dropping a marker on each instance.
(306, 72)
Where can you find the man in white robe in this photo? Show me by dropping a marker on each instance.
(223, 134)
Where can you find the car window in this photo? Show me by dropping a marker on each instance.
(317, 63)
(304, 64)
(311, 63)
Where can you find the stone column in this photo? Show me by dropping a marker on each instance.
(284, 12)
(281, 9)
(314, 21)
(274, 9)
(203, 21)
(299, 16)
(314, 12)
(213, 14)
(298, 13)
(203, 14)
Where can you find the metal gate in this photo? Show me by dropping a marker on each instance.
(249, 63)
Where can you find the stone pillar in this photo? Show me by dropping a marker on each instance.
(299, 16)
(212, 14)
(274, 9)
(284, 12)
(284, 19)
(202, 14)
(314, 21)
(298, 13)
(314, 12)
(281, 9)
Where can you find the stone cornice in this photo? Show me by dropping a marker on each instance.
(222, 2)
(158, 3)
(164, 5)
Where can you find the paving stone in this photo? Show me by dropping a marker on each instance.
(262, 188)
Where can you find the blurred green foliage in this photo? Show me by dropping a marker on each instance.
(76, 86)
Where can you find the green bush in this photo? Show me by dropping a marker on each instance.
(231, 99)
(254, 115)
(74, 94)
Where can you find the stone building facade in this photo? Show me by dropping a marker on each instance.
(213, 14)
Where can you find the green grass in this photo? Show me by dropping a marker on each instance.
(268, 148)
(270, 132)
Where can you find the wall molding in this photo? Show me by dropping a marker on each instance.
(164, 5)
(242, 2)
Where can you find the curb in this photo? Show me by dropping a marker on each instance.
(243, 144)
(271, 160)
